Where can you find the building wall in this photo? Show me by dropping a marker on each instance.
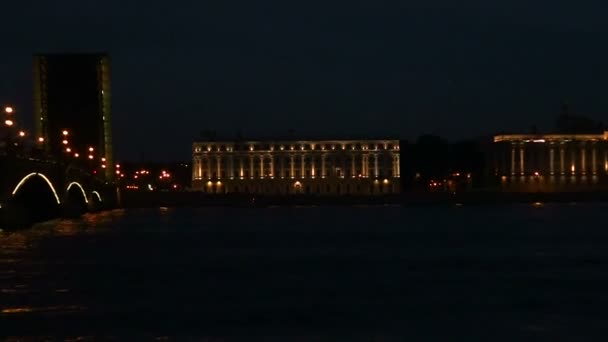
(551, 163)
(291, 167)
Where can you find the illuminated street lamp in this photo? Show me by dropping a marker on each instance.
(91, 149)
(8, 110)
(65, 142)
(65, 133)
(76, 155)
(41, 139)
(103, 160)
(68, 150)
(21, 133)
(91, 156)
(8, 122)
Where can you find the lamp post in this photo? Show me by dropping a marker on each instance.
(8, 128)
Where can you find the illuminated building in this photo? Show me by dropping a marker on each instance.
(551, 162)
(320, 167)
(72, 95)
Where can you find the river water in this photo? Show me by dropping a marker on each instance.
(470, 273)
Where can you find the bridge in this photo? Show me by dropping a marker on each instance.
(38, 189)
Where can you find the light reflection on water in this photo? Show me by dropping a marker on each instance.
(514, 269)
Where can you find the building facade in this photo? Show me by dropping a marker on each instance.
(319, 167)
(72, 94)
(551, 162)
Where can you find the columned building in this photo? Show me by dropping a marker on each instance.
(321, 167)
(551, 162)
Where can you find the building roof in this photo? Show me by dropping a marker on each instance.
(549, 137)
(292, 138)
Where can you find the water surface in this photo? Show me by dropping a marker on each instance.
(537, 272)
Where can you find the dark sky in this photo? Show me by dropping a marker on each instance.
(453, 68)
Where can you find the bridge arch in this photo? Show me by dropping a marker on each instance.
(36, 174)
(84, 194)
(96, 195)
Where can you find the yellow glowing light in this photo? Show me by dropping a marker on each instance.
(76, 155)
(385, 181)
(8, 122)
(90, 156)
(97, 195)
(209, 183)
(41, 176)
(21, 133)
(64, 132)
(135, 176)
(219, 183)
(297, 183)
(103, 159)
(118, 166)
(68, 150)
(91, 149)
(41, 139)
(117, 172)
(174, 186)
(65, 142)
(84, 194)
(8, 110)
(103, 166)
(572, 168)
(536, 173)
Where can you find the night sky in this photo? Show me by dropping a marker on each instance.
(454, 68)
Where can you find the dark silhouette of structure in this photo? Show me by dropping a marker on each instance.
(72, 106)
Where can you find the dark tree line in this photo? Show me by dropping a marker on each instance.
(432, 158)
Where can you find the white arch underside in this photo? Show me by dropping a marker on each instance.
(84, 194)
(97, 194)
(41, 176)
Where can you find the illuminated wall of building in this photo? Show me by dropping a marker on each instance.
(358, 167)
(552, 162)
